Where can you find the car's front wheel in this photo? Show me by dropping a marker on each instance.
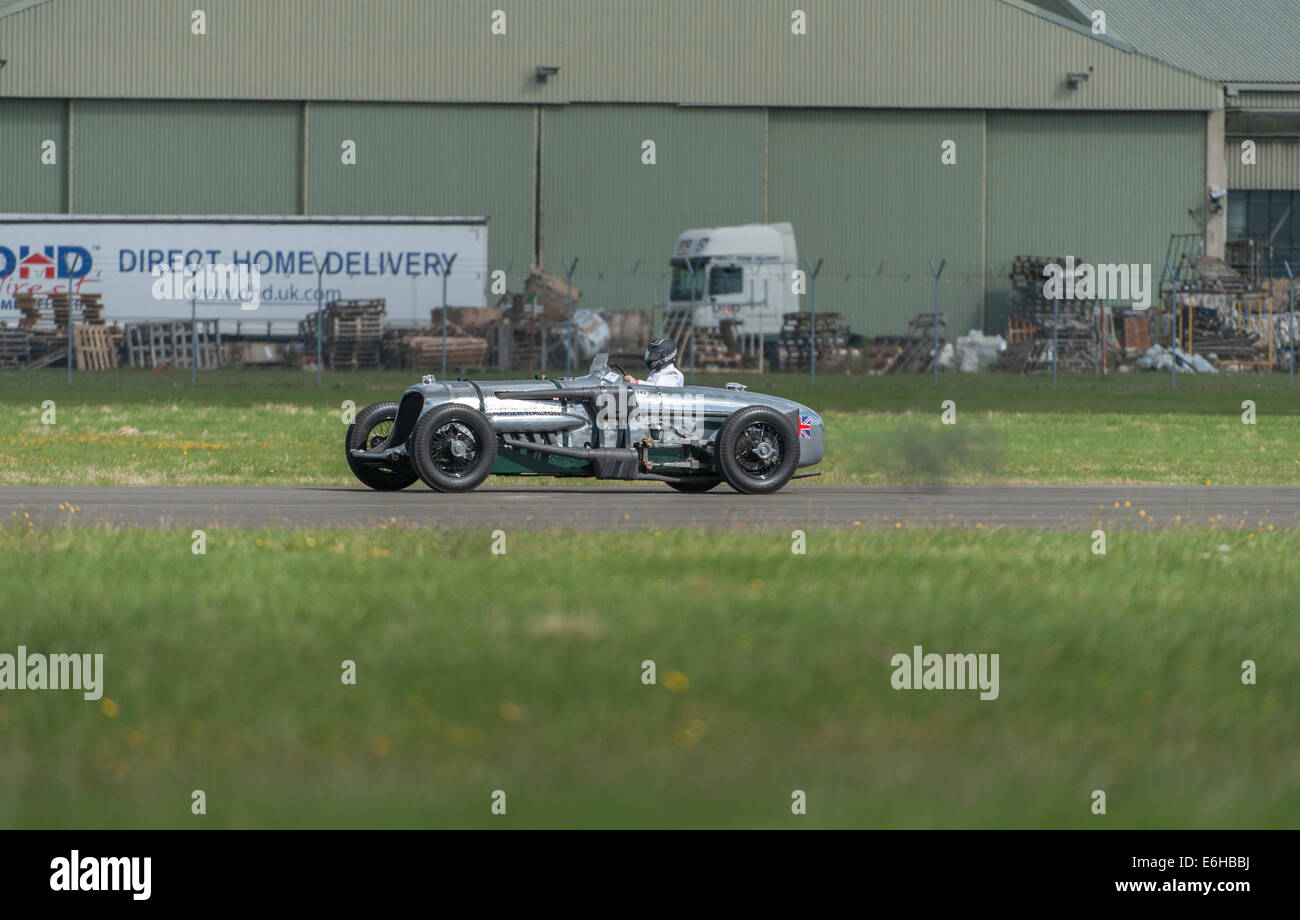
(757, 450)
(454, 448)
(370, 431)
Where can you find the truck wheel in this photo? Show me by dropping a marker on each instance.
(757, 450)
(695, 483)
(454, 449)
(369, 431)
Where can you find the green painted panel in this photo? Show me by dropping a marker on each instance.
(29, 186)
(153, 157)
(936, 54)
(601, 204)
(868, 193)
(1276, 166)
(1105, 187)
(429, 161)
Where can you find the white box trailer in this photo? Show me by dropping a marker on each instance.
(741, 272)
(404, 260)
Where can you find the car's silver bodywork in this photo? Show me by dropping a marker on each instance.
(670, 430)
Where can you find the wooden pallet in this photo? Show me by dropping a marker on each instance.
(15, 347)
(95, 347)
(46, 312)
(171, 344)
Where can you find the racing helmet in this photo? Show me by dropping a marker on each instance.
(660, 353)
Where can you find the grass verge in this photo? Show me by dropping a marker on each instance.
(523, 672)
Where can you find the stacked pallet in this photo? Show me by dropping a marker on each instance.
(156, 346)
(795, 341)
(913, 352)
(41, 337)
(711, 350)
(1075, 336)
(15, 348)
(1211, 275)
(1211, 335)
(351, 334)
(421, 348)
(51, 312)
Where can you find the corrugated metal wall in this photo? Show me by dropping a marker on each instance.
(601, 204)
(868, 193)
(865, 53)
(1101, 187)
(27, 185)
(865, 190)
(1277, 164)
(160, 157)
(429, 160)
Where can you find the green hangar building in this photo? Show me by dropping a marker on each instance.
(888, 132)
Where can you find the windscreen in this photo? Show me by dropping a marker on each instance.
(681, 289)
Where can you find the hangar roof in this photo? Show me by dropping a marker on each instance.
(1231, 41)
(938, 54)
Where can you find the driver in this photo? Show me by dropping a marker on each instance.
(660, 356)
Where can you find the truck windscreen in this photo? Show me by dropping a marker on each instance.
(681, 289)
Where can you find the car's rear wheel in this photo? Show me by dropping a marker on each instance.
(695, 483)
(370, 431)
(757, 450)
(454, 448)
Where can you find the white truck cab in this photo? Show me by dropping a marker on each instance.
(739, 273)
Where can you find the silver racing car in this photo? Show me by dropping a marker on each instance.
(454, 434)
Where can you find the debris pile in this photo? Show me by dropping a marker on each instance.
(351, 334)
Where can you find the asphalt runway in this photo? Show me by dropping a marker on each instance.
(799, 505)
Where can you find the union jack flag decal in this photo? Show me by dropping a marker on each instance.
(805, 426)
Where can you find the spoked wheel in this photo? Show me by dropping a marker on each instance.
(369, 432)
(757, 449)
(454, 449)
(695, 483)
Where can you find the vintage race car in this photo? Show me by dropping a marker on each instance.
(454, 434)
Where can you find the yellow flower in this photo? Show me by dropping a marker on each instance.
(676, 681)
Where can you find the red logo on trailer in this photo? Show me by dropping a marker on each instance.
(36, 262)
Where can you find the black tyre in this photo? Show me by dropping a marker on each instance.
(370, 431)
(757, 450)
(454, 448)
(695, 483)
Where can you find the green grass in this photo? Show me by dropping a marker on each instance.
(522, 673)
(278, 428)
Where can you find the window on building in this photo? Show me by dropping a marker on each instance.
(1270, 218)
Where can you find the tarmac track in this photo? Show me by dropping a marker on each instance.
(799, 505)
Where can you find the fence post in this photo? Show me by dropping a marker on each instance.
(690, 267)
(444, 326)
(320, 331)
(936, 272)
(1290, 277)
(1056, 326)
(1173, 324)
(70, 324)
(568, 333)
(812, 338)
(194, 343)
